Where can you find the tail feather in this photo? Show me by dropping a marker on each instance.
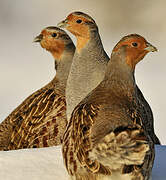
(126, 147)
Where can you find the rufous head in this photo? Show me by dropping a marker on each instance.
(136, 47)
(79, 24)
(54, 40)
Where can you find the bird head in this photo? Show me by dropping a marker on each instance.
(54, 40)
(135, 47)
(79, 24)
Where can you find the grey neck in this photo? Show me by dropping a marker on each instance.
(119, 75)
(63, 66)
(95, 47)
(87, 71)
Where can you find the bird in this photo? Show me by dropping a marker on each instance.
(105, 137)
(40, 120)
(89, 65)
(89, 61)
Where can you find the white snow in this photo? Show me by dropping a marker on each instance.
(47, 164)
(32, 164)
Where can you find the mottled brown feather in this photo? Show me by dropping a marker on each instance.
(106, 136)
(40, 120)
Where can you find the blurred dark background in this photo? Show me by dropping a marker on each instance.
(26, 67)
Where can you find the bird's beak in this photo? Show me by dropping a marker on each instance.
(63, 24)
(38, 38)
(150, 48)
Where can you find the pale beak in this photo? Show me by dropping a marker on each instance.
(150, 48)
(38, 38)
(63, 24)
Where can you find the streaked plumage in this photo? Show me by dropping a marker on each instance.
(106, 138)
(41, 119)
(89, 66)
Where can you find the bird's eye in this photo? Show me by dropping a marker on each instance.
(79, 21)
(54, 34)
(134, 44)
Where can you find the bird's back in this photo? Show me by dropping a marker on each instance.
(101, 121)
(148, 116)
(36, 121)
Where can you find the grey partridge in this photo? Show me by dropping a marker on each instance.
(105, 137)
(40, 120)
(89, 61)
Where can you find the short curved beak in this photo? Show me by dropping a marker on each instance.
(63, 24)
(150, 48)
(38, 38)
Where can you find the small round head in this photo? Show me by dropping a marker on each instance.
(79, 24)
(54, 40)
(136, 47)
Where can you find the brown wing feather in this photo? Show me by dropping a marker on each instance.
(14, 120)
(148, 116)
(41, 116)
(50, 132)
(77, 142)
(123, 146)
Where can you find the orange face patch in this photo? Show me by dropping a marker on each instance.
(135, 50)
(51, 44)
(80, 30)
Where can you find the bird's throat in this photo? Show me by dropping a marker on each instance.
(81, 43)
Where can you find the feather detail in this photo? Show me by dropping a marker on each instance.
(41, 121)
